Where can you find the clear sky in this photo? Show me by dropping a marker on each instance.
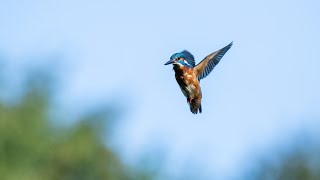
(264, 89)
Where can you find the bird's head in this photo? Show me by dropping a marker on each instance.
(183, 58)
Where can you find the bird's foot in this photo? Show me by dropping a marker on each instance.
(189, 100)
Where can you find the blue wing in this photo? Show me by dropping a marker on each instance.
(189, 58)
(204, 68)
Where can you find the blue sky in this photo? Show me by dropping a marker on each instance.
(265, 89)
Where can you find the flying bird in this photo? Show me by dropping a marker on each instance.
(188, 75)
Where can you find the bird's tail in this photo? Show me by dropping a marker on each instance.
(195, 106)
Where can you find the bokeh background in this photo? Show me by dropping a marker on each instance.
(84, 93)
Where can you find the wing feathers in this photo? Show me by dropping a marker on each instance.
(204, 68)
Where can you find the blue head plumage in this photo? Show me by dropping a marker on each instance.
(185, 58)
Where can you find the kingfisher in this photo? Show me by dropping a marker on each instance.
(188, 75)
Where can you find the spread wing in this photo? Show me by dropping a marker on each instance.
(204, 68)
(189, 58)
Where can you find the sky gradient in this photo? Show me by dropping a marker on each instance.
(264, 89)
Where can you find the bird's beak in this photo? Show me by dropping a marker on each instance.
(169, 62)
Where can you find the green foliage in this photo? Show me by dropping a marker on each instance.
(301, 162)
(32, 148)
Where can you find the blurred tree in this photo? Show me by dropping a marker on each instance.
(31, 148)
(300, 162)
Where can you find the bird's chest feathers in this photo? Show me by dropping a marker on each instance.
(186, 80)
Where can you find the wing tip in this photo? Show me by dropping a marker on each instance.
(229, 45)
(226, 48)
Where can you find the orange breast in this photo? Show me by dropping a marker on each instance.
(192, 86)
